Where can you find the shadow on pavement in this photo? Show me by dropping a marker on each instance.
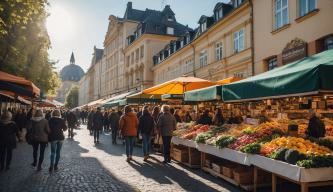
(76, 173)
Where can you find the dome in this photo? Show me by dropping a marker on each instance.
(71, 72)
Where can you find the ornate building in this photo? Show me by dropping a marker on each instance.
(70, 76)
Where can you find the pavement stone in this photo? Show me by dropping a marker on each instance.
(89, 167)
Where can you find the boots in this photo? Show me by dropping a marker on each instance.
(51, 168)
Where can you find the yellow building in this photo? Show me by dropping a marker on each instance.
(288, 30)
(152, 34)
(219, 48)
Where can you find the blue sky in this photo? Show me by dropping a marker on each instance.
(78, 25)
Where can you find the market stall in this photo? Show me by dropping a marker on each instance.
(285, 94)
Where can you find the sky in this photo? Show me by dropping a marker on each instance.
(79, 25)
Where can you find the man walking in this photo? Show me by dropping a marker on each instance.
(97, 124)
(114, 123)
(72, 122)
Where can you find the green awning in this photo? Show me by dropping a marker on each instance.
(307, 76)
(172, 96)
(114, 103)
(205, 94)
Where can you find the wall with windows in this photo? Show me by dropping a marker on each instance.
(278, 22)
(223, 50)
(138, 60)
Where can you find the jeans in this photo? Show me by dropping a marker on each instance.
(55, 152)
(129, 145)
(96, 134)
(35, 146)
(146, 142)
(166, 147)
(5, 153)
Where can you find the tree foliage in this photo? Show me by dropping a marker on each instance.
(24, 43)
(72, 98)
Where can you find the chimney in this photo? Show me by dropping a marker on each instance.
(129, 5)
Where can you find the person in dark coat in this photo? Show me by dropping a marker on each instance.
(106, 122)
(146, 129)
(48, 115)
(72, 122)
(218, 119)
(114, 123)
(8, 132)
(56, 138)
(97, 124)
(235, 119)
(187, 117)
(21, 121)
(316, 128)
(205, 119)
(166, 124)
(39, 127)
(90, 120)
(177, 116)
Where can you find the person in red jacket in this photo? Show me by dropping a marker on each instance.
(128, 125)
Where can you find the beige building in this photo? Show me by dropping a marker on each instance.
(288, 30)
(83, 90)
(219, 48)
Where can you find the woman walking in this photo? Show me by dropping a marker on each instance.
(8, 131)
(39, 128)
(56, 138)
(166, 124)
(106, 121)
(146, 128)
(128, 125)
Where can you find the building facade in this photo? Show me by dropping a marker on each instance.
(219, 48)
(90, 83)
(288, 30)
(70, 76)
(151, 35)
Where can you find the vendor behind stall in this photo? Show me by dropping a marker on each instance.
(235, 118)
(316, 128)
(205, 119)
(263, 118)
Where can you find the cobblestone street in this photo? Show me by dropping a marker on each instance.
(86, 167)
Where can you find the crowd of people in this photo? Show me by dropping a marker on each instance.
(148, 124)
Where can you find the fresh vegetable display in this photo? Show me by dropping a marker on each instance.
(224, 140)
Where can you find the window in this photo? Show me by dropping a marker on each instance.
(218, 14)
(237, 3)
(203, 58)
(203, 26)
(181, 43)
(188, 39)
(136, 54)
(281, 13)
(328, 43)
(218, 51)
(272, 63)
(306, 6)
(239, 41)
(170, 30)
(142, 51)
(170, 18)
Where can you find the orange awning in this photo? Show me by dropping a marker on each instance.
(178, 86)
(20, 81)
(228, 80)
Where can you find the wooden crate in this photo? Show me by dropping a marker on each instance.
(217, 167)
(227, 170)
(208, 163)
(194, 157)
(243, 176)
(180, 154)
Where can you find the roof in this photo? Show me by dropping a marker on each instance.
(71, 72)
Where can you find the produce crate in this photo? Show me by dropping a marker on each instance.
(208, 163)
(228, 170)
(243, 176)
(217, 167)
(194, 157)
(180, 154)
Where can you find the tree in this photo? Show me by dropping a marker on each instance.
(72, 98)
(24, 43)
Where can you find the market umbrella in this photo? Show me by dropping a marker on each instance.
(20, 81)
(178, 86)
(228, 80)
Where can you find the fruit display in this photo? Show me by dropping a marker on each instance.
(316, 162)
(224, 140)
(193, 132)
(203, 137)
(303, 146)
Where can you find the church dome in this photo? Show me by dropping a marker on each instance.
(71, 72)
